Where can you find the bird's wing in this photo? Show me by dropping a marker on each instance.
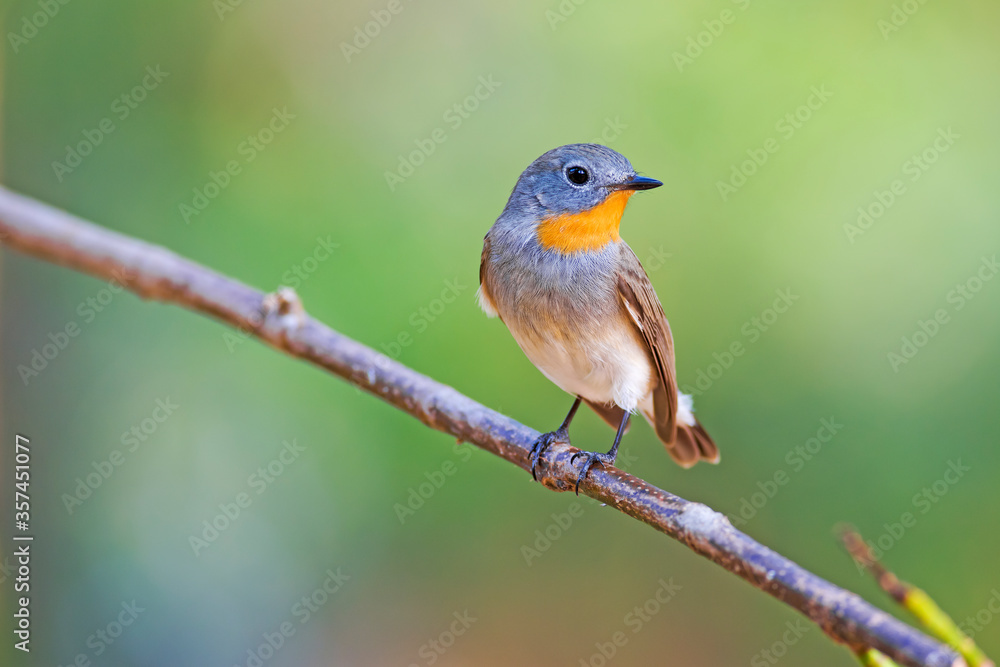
(686, 443)
(645, 312)
(483, 258)
(483, 295)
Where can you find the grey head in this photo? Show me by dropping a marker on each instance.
(572, 179)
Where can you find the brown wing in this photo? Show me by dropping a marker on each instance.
(645, 312)
(685, 444)
(485, 297)
(482, 260)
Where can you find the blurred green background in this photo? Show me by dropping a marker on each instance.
(688, 92)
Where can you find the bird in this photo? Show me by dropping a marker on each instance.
(580, 306)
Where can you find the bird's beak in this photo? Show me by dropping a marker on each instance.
(638, 183)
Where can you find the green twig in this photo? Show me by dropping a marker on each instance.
(872, 658)
(914, 600)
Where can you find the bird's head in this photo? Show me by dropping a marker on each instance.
(575, 195)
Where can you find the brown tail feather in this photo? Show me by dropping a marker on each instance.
(692, 444)
(610, 413)
(687, 446)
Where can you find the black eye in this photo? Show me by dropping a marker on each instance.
(577, 175)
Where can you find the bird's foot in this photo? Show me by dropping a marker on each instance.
(592, 458)
(543, 443)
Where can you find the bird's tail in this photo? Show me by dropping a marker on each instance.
(690, 444)
(686, 444)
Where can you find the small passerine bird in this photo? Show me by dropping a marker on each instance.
(579, 304)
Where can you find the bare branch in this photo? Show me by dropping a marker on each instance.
(156, 273)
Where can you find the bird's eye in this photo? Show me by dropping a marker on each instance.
(577, 175)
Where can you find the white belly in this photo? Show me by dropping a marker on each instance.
(611, 367)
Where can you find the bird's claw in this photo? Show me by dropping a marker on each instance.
(592, 458)
(544, 441)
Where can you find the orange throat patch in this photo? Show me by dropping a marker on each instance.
(590, 230)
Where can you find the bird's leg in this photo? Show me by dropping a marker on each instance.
(546, 439)
(597, 457)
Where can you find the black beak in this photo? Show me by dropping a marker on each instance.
(639, 183)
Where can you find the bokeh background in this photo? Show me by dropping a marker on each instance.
(313, 207)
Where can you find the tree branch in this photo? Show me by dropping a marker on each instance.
(156, 273)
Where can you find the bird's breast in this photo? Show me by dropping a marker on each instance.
(565, 313)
